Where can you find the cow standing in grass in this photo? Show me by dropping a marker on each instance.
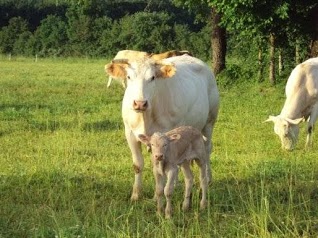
(162, 95)
(301, 104)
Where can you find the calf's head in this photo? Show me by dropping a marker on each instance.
(287, 130)
(140, 77)
(159, 144)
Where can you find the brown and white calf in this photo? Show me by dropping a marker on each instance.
(170, 150)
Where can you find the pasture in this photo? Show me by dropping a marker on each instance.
(66, 170)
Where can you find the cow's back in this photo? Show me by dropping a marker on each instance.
(301, 89)
(191, 94)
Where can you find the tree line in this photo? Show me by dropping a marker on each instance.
(271, 32)
(98, 28)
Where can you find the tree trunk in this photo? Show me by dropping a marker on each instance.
(280, 62)
(272, 59)
(218, 42)
(314, 42)
(260, 65)
(297, 53)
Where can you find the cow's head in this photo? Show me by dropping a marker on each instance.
(141, 78)
(287, 130)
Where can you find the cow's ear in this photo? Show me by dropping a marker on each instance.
(165, 70)
(174, 137)
(116, 70)
(271, 119)
(295, 121)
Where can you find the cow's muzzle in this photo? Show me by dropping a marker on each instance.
(140, 106)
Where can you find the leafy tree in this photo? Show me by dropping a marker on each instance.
(206, 12)
(278, 21)
(152, 32)
(9, 34)
(51, 36)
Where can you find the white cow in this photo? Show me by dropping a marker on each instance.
(162, 95)
(301, 104)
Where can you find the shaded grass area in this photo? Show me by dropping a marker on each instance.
(66, 169)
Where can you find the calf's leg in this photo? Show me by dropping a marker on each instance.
(188, 179)
(203, 182)
(159, 190)
(168, 190)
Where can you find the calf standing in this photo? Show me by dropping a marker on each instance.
(170, 150)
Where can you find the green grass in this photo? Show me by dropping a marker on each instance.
(66, 170)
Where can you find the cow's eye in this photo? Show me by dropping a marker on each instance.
(128, 77)
(152, 78)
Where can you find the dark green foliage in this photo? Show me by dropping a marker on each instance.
(98, 28)
(51, 36)
(9, 34)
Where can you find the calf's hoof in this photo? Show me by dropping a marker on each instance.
(203, 205)
(134, 197)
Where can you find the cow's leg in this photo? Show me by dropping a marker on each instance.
(207, 132)
(188, 179)
(312, 119)
(138, 163)
(171, 177)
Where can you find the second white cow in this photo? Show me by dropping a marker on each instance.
(301, 104)
(162, 95)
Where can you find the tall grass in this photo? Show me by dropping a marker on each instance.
(66, 170)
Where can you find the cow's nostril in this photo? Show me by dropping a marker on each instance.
(140, 105)
(145, 105)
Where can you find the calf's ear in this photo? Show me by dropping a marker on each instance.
(116, 70)
(144, 139)
(174, 137)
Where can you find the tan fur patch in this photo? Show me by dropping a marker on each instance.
(116, 70)
(166, 71)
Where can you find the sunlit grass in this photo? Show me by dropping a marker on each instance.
(66, 171)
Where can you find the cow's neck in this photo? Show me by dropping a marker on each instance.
(141, 123)
(292, 108)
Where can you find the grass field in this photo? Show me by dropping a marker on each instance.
(66, 170)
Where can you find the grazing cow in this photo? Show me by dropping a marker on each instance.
(162, 95)
(170, 150)
(127, 55)
(168, 54)
(301, 104)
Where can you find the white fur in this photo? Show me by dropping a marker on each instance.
(301, 104)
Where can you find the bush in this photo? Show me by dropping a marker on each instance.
(11, 33)
(51, 36)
